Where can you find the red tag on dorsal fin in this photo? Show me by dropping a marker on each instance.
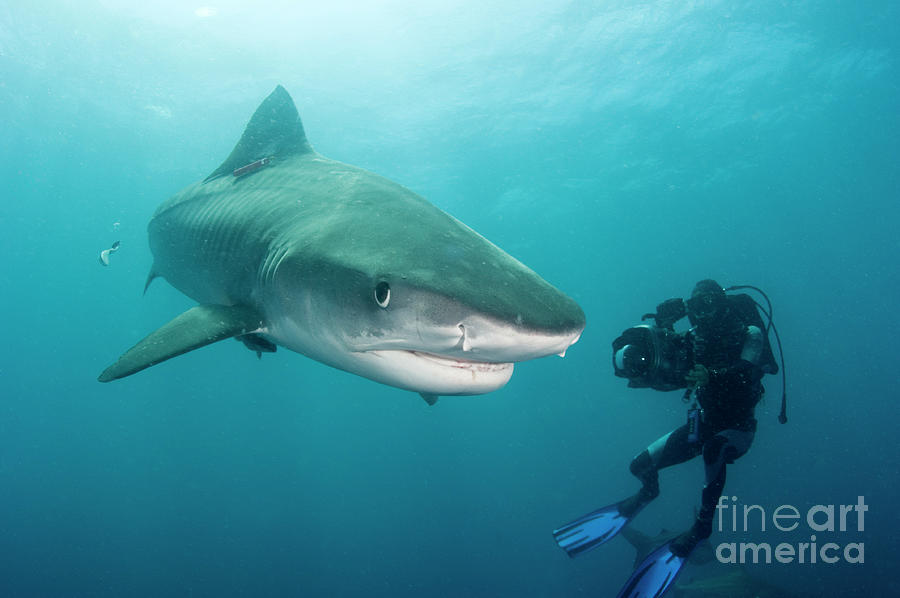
(252, 167)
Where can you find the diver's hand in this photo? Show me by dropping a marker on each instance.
(698, 377)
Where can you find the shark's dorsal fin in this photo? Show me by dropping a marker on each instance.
(195, 328)
(274, 131)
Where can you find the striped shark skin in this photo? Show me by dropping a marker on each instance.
(281, 246)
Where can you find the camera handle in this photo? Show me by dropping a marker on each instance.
(687, 394)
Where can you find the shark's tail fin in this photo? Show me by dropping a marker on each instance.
(638, 539)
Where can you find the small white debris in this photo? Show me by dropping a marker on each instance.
(104, 255)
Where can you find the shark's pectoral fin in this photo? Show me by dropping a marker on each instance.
(195, 328)
(429, 398)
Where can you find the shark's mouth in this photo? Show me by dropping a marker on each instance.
(486, 367)
(464, 364)
(431, 373)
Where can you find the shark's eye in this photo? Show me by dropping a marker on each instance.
(382, 294)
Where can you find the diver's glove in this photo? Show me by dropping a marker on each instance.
(742, 373)
(698, 377)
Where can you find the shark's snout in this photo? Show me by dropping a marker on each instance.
(491, 340)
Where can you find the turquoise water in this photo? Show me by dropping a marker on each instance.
(622, 150)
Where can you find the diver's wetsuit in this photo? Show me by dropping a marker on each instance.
(731, 353)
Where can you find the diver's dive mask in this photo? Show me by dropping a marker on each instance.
(707, 301)
(703, 307)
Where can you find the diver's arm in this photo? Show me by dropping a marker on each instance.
(753, 345)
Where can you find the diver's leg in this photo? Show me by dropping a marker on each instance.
(671, 449)
(719, 451)
(597, 527)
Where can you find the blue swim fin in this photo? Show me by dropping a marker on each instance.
(654, 576)
(591, 530)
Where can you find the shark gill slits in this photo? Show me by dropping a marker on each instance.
(382, 294)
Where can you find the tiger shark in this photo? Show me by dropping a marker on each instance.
(282, 246)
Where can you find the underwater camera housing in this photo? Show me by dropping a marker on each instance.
(652, 357)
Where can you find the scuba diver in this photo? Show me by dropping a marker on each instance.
(720, 361)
